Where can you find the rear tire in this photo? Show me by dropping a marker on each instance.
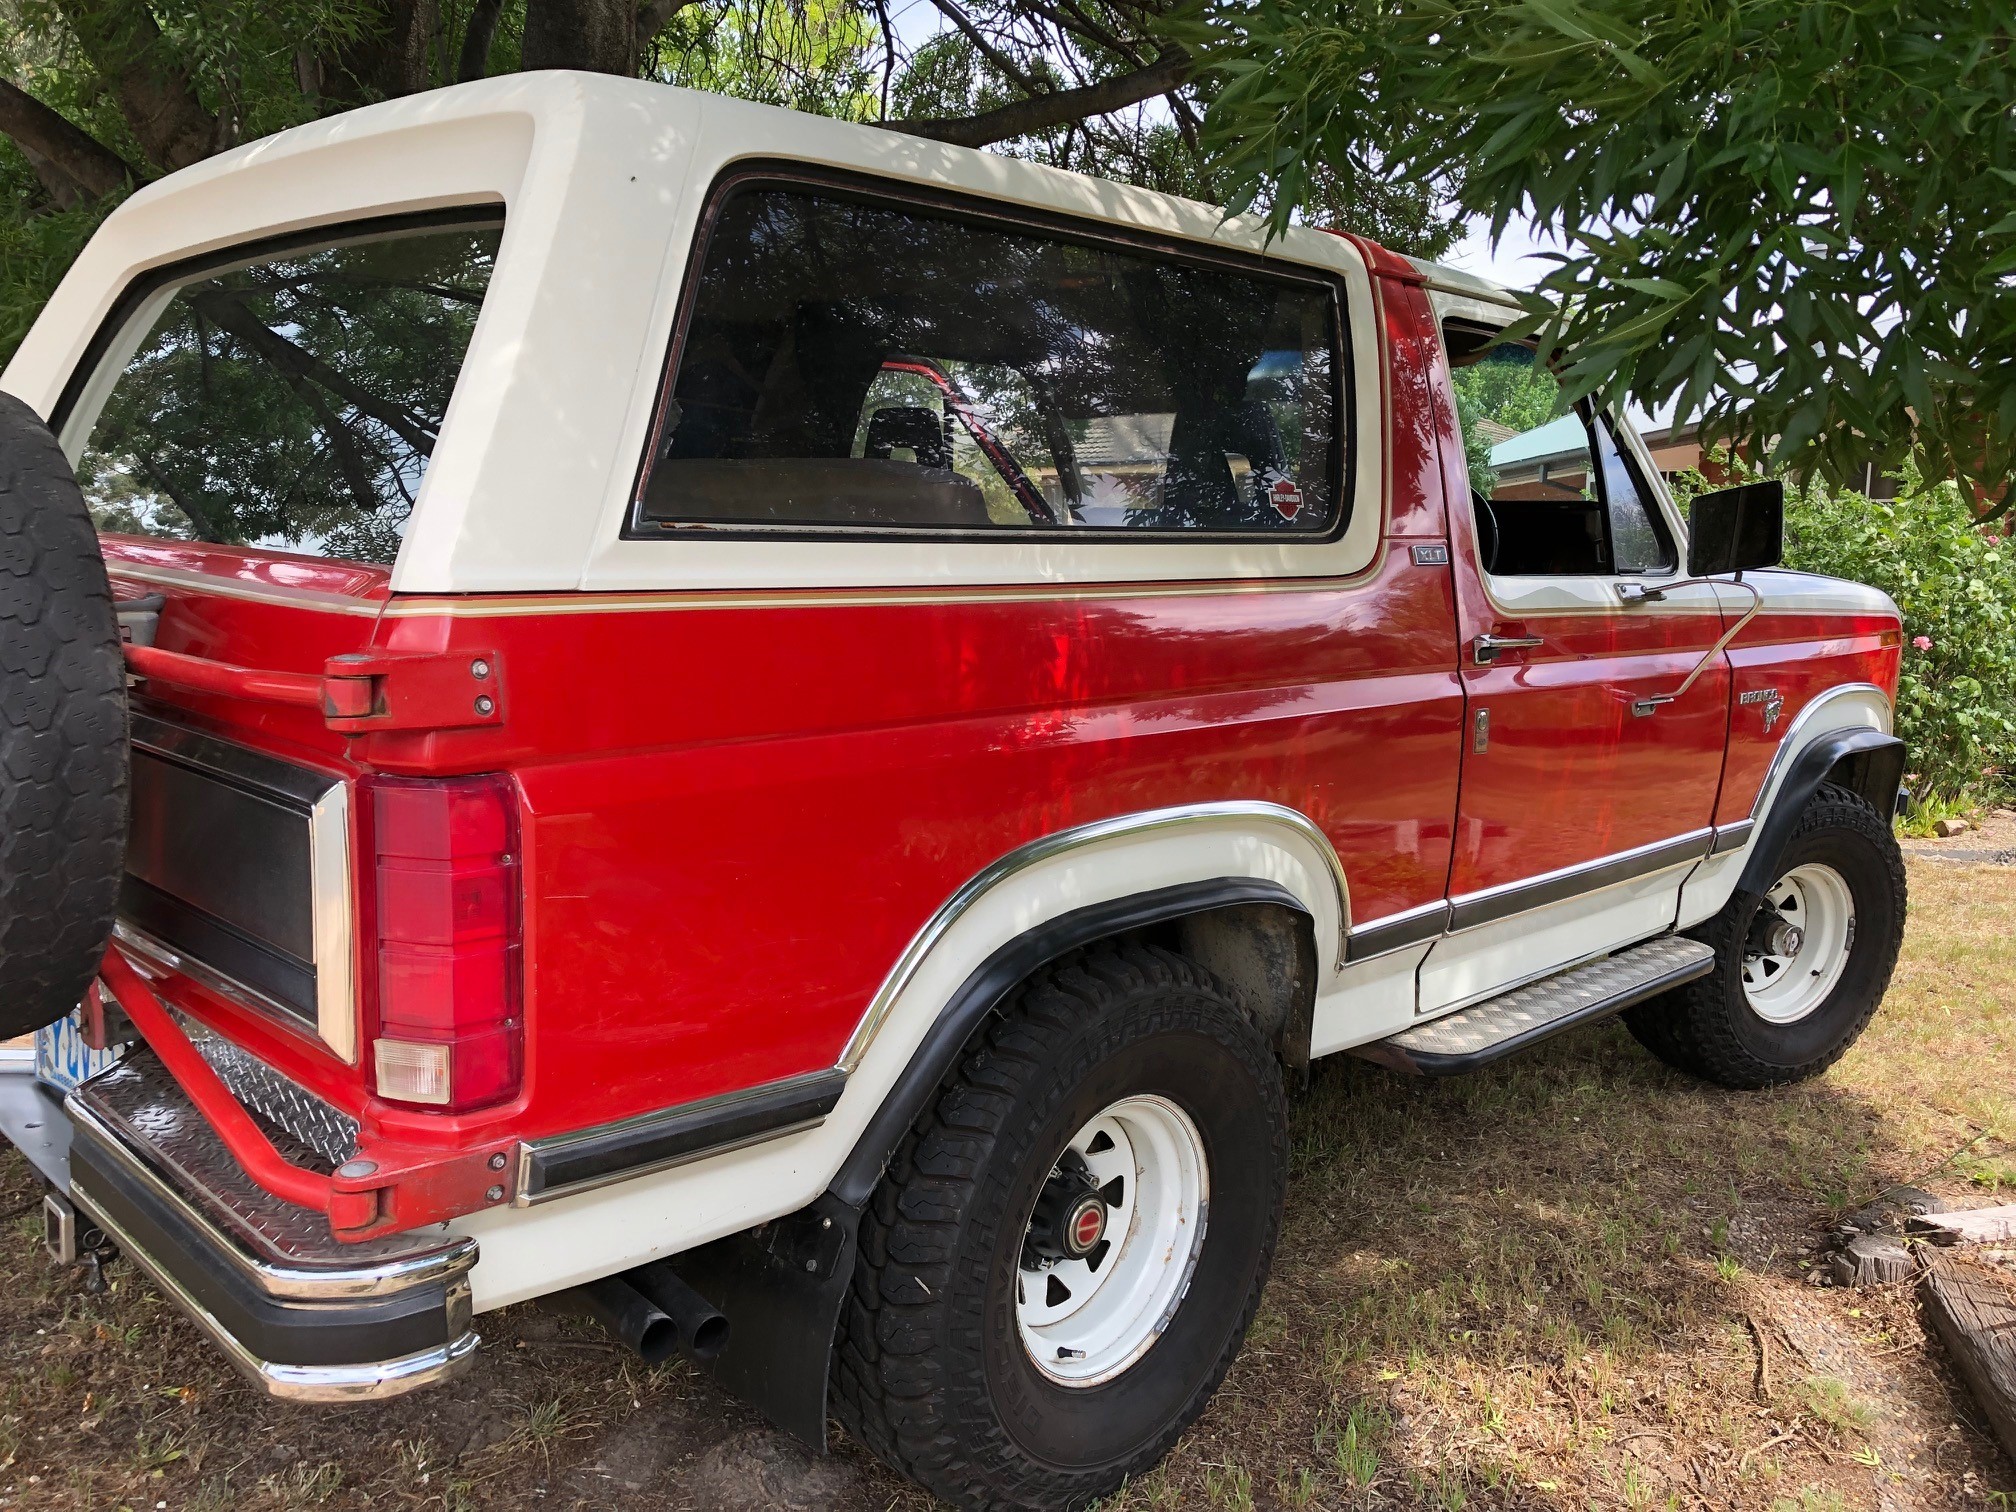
(938, 1369)
(1781, 1007)
(63, 757)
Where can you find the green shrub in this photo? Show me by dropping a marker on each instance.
(1956, 584)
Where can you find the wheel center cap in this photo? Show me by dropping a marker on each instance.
(1783, 938)
(1085, 1227)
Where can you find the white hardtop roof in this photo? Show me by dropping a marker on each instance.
(602, 180)
(567, 110)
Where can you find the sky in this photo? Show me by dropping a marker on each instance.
(1511, 262)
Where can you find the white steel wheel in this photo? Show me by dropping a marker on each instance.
(1799, 944)
(1112, 1241)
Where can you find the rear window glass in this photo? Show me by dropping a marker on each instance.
(293, 400)
(851, 362)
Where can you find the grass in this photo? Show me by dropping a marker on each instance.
(1921, 820)
(1575, 1281)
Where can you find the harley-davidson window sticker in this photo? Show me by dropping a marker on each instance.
(1282, 492)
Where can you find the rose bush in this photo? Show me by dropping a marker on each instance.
(1956, 583)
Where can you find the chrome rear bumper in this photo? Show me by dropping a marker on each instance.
(302, 1316)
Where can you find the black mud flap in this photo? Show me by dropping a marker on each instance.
(781, 1286)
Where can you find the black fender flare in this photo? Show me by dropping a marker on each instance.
(782, 1283)
(1863, 760)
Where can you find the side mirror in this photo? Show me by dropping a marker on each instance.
(1734, 529)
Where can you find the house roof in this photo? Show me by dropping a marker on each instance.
(1560, 437)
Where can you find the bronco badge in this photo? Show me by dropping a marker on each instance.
(1773, 701)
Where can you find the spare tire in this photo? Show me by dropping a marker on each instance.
(63, 758)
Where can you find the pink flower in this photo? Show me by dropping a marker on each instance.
(1994, 540)
(1922, 642)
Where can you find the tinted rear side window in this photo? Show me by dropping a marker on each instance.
(292, 400)
(850, 362)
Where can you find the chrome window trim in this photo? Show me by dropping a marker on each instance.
(1047, 847)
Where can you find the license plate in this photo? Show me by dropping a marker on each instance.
(62, 1059)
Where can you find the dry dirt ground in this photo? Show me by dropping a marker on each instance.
(1575, 1281)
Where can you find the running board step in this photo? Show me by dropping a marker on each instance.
(1501, 1026)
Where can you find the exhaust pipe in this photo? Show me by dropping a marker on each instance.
(651, 1310)
(625, 1312)
(703, 1330)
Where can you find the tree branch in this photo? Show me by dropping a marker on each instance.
(93, 168)
(653, 14)
(232, 314)
(1001, 61)
(1063, 108)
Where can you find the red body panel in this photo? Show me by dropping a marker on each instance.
(737, 810)
(1800, 655)
(718, 797)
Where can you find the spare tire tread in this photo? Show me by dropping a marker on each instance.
(63, 752)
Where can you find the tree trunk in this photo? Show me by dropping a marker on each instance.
(63, 155)
(390, 60)
(154, 93)
(475, 60)
(597, 35)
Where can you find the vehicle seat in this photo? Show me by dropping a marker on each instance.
(812, 491)
(919, 429)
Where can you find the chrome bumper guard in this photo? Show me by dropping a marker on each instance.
(302, 1316)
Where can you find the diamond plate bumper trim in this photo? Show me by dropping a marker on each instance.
(144, 1119)
(329, 1132)
(1510, 1022)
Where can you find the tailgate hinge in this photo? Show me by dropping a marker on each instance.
(365, 691)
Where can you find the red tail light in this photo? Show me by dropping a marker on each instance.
(447, 1031)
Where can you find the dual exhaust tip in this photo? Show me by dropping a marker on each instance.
(652, 1311)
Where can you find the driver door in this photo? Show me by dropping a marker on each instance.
(1589, 779)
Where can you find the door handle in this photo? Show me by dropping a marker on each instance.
(1487, 647)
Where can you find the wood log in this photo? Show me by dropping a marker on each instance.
(1995, 1225)
(1873, 1260)
(1973, 1310)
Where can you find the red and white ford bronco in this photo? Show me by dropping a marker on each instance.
(789, 736)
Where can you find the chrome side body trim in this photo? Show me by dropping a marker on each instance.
(1044, 848)
(1410, 926)
(582, 1161)
(1489, 905)
(1729, 837)
(1790, 743)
